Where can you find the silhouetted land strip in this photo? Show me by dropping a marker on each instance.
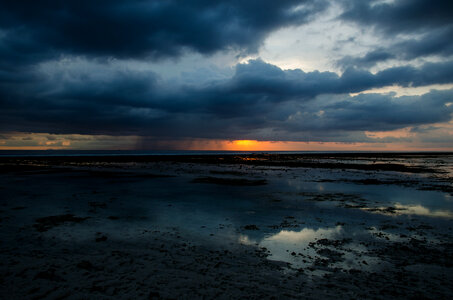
(229, 181)
(324, 161)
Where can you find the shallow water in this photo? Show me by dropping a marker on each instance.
(286, 218)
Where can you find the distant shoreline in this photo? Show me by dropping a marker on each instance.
(365, 161)
(185, 153)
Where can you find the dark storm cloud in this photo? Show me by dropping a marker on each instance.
(258, 84)
(402, 16)
(376, 112)
(427, 27)
(35, 30)
(366, 61)
(259, 101)
(269, 81)
(436, 42)
(64, 70)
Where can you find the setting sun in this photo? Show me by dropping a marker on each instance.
(245, 143)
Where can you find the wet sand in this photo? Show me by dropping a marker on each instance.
(279, 226)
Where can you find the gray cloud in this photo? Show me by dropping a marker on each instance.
(36, 30)
(403, 16)
(259, 101)
(416, 28)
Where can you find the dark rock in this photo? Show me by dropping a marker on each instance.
(46, 223)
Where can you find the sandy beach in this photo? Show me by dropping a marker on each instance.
(255, 226)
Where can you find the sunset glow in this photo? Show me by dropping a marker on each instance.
(186, 149)
(19, 141)
(245, 145)
(293, 76)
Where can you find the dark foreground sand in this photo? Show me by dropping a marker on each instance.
(250, 226)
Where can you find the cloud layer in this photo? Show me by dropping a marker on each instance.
(417, 28)
(137, 28)
(260, 101)
(79, 67)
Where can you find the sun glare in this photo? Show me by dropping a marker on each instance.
(245, 143)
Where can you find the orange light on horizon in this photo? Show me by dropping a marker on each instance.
(245, 143)
(255, 145)
(45, 141)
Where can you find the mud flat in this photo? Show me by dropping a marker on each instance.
(259, 226)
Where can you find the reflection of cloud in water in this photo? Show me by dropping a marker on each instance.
(283, 243)
(423, 211)
(306, 235)
(403, 209)
(295, 247)
(448, 198)
(245, 240)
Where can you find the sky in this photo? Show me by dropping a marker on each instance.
(227, 75)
